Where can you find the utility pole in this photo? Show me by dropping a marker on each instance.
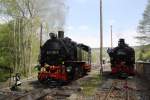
(41, 35)
(111, 35)
(101, 39)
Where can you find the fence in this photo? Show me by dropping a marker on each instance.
(143, 69)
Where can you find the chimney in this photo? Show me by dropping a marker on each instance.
(60, 34)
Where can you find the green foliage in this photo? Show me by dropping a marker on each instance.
(142, 53)
(19, 42)
(144, 24)
(5, 50)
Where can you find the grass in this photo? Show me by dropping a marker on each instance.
(89, 86)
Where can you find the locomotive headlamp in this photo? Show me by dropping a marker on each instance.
(62, 62)
(43, 69)
(53, 66)
(46, 65)
(69, 69)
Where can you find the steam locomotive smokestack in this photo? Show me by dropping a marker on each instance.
(60, 34)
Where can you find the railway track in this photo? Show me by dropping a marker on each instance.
(34, 90)
(39, 94)
(114, 89)
(110, 89)
(117, 90)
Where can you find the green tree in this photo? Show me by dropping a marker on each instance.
(144, 31)
(22, 23)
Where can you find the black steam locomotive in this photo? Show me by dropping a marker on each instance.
(122, 60)
(63, 60)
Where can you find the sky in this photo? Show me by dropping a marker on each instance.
(82, 21)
